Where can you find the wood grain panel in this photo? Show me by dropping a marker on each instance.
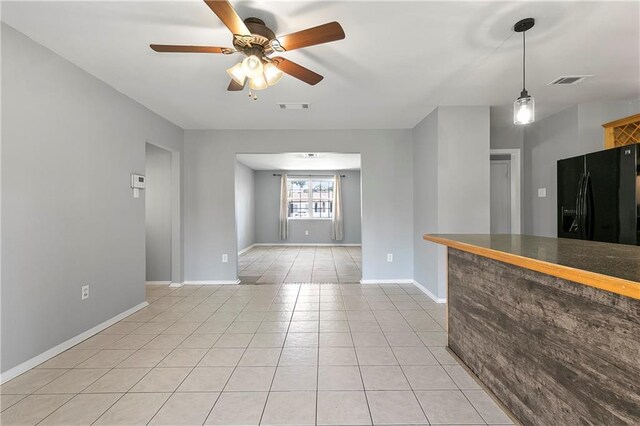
(555, 352)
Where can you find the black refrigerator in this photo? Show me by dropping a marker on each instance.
(599, 195)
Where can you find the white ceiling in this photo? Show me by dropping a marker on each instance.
(296, 161)
(399, 59)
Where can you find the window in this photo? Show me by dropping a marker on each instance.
(310, 198)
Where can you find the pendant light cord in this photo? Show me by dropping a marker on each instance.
(524, 56)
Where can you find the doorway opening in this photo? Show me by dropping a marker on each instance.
(298, 218)
(162, 219)
(505, 191)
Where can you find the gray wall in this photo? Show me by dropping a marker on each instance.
(268, 209)
(245, 205)
(451, 184)
(157, 205)
(505, 135)
(69, 146)
(425, 201)
(574, 131)
(386, 194)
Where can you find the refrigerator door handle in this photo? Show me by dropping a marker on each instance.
(579, 220)
(587, 213)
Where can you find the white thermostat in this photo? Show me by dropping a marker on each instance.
(137, 181)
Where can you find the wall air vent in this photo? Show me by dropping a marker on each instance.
(568, 80)
(310, 155)
(293, 105)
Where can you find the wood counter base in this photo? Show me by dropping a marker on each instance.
(555, 352)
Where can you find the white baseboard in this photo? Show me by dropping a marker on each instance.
(246, 249)
(56, 350)
(395, 281)
(176, 285)
(212, 282)
(428, 293)
(157, 282)
(305, 245)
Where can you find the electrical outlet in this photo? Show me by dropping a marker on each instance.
(389, 257)
(306, 232)
(542, 192)
(85, 292)
(225, 258)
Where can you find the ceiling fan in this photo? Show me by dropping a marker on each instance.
(259, 43)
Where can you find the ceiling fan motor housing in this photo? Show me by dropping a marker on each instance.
(260, 37)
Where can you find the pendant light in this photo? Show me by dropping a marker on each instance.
(524, 106)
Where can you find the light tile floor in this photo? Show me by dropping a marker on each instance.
(283, 354)
(296, 264)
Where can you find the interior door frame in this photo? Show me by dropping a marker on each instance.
(515, 184)
(176, 215)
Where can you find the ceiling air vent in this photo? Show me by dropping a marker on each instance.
(567, 80)
(293, 106)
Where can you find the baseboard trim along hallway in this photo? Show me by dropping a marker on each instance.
(246, 249)
(56, 350)
(392, 281)
(213, 282)
(428, 293)
(407, 281)
(304, 245)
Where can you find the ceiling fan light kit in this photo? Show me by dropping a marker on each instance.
(524, 107)
(258, 43)
(237, 74)
(252, 66)
(272, 74)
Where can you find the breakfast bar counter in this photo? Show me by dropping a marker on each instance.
(550, 326)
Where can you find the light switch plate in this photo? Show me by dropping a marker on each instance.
(225, 258)
(542, 192)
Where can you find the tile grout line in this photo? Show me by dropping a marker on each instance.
(230, 375)
(201, 358)
(318, 351)
(282, 350)
(396, 358)
(364, 390)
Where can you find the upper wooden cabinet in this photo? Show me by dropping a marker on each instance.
(622, 132)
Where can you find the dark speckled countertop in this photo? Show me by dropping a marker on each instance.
(611, 267)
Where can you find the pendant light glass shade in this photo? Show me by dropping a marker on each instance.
(524, 110)
(252, 66)
(237, 74)
(524, 107)
(258, 83)
(272, 74)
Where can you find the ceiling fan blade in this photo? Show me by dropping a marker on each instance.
(312, 36)
(190, 49)
(234, 86)
(228, 16)
(297, 71)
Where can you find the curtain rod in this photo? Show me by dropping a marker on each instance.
(280, 174)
